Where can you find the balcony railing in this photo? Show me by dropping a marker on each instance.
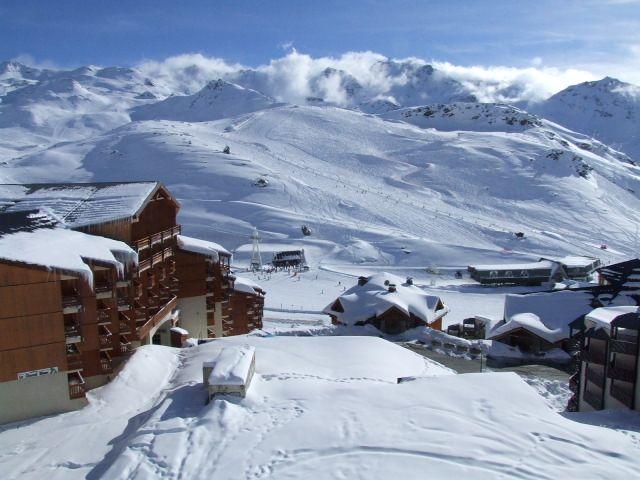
(76, 385)
(594, 356)
(103, 286)
(157, 238)
(622, 394)
(144, 265)
(593, 398)
(74, 358)
(621, 373)
(105, 365)
(103, 316)
(623, 346)
(594, 376)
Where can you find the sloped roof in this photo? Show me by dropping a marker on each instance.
(246, 285)
(65, 250)
(79, 204)
(24, 221)
(546, 314)
(362, 302)
(203, 247)
(540, 265)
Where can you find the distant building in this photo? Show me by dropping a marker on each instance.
(247, 306)
(388, 303)
(608, 373)
(289, 259)
(534, 273)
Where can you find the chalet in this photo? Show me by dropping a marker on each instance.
(535, 273)
(608, 373)
(389, 304)
(538, 322)
(87, 274)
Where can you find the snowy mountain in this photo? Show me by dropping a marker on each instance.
(607, 109)
(218, 99)
(445, 182)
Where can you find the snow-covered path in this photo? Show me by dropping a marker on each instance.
(324, 407)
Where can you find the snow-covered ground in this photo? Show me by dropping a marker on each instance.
(318, 407)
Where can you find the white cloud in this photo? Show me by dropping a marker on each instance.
(296, 76)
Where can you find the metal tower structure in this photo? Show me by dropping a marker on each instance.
(256, 258)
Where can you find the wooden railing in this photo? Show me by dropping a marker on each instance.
(623, 395)
(71, 300)
(105, 365)
(594, 376)
(623, 374)
(594, 356)
(594, 399)
(156, 238)
(623, 346)
(158, 317)
(76, 386)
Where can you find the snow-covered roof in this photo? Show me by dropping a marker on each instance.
(574, 261)
(543, 264)
(246, 285)
(602, 317)
(203, 247)
(362, 302)
(78, 204)
(231, 366)
(65, 250)
(546, 314)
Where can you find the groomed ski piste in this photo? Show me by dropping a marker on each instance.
(318, 407)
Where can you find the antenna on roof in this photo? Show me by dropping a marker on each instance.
(256, 258)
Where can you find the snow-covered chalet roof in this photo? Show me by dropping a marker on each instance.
(203, 247)
(231, 365)
(65, 250)
(79, 204)
(602, 317)
(245, 285)
(362, 302)
(546, 314)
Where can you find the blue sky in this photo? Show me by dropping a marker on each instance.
(600, 36)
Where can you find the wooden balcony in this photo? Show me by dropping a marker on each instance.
(595, 376)
(125, 346)
(144, 265)
(74, 357)
(593, 398)
(621, 373)
(623, 394)
(72, 333)
(124, 304)
(103, 289)
(105, 338)
(103, 315)
(623, 346)
(125, 323)
(594, 356)
(76, 385)
(105, 362)
(71, 302)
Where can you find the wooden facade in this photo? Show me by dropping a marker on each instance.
(209, 278)
(57, 322)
